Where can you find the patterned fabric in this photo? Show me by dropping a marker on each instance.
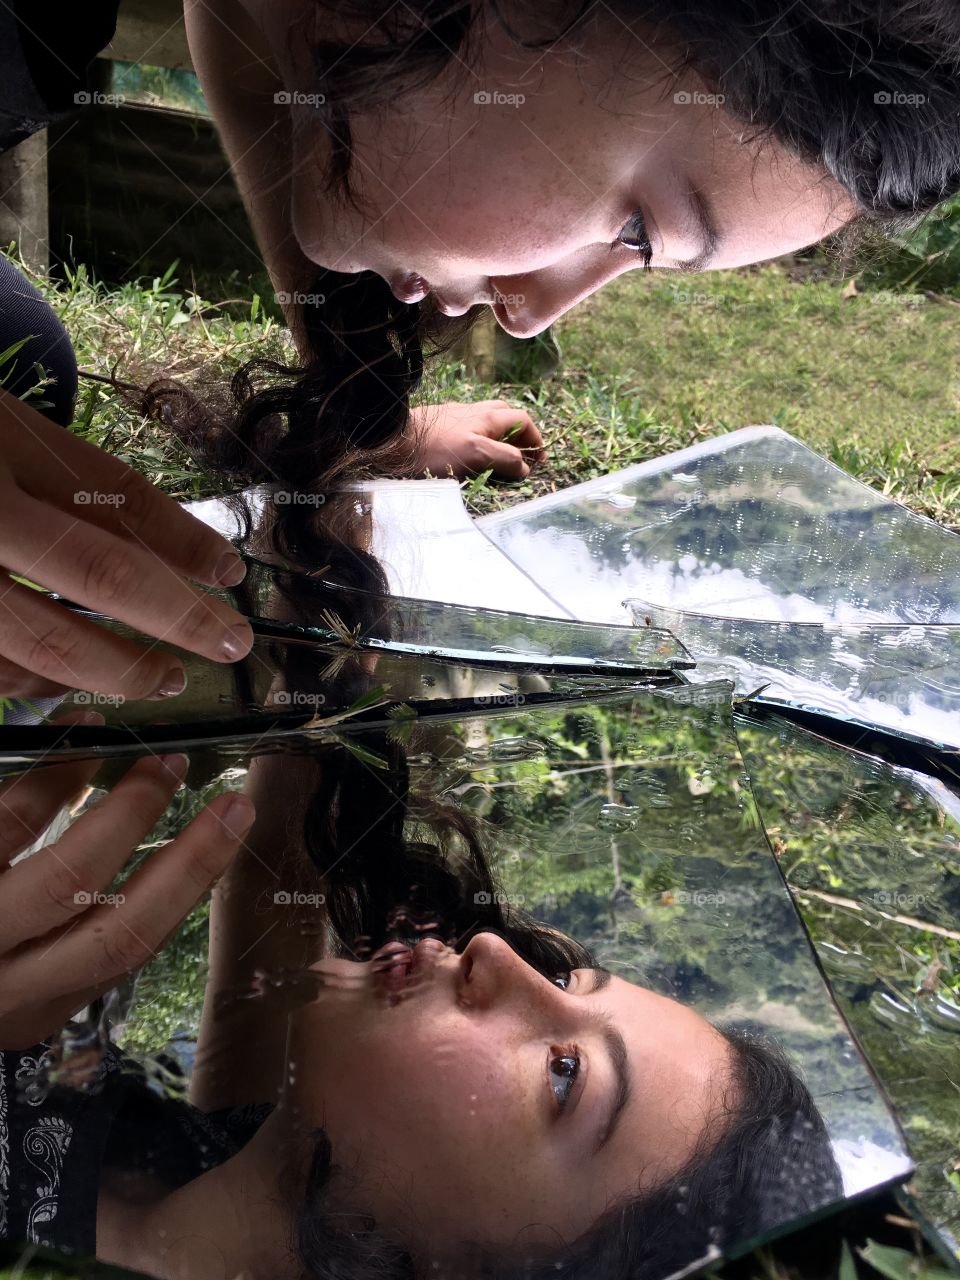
(55, 1141)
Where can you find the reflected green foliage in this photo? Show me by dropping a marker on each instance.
(875, 865)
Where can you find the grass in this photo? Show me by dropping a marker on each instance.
(870, 369)
(871, 384)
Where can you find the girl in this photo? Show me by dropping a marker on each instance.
(403, 163)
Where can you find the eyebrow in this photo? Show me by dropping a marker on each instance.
(706, 226)
(617, 1049)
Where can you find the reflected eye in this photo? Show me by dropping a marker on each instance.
(562, 979)
(633, 235)
(564, 1069)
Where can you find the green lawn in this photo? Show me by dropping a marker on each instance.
(649, 364)
(874, 369)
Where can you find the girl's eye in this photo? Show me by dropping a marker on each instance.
(562, 980)
(633, 235)
(564, 1070)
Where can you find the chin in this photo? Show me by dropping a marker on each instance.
(518, 326)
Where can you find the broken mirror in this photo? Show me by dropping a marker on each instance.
(509, 970)
(871, 853)
(773, 567)
(504, 986)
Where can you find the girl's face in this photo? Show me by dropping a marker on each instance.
(511, 178)
(483, 1102)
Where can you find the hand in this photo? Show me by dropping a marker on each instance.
(81, 523)
(59, 947)
(465, 439)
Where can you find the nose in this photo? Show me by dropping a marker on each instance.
(526, 305)
(493, 975)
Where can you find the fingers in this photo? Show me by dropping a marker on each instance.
(17, 682)
(60, 648)
(504, 459)
(49, 889)
(56, 466)
(513, 426)
(30, 801)
(101, 571)
(112, 940)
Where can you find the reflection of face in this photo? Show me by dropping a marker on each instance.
(518, 204)
(445, 1102)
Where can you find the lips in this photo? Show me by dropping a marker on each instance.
(393, 965)
(397, 967)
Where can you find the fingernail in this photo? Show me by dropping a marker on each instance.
(91, 717)
(174, 682)
(176, 763)
(238, 815)
(237, 642)
(230, 570)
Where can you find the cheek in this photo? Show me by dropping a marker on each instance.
(478, 206)
(424, 1083)
(776, 206)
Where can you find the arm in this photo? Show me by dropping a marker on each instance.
(241, 1048)
(240, 80)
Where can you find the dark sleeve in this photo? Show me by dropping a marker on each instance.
(45, 54)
